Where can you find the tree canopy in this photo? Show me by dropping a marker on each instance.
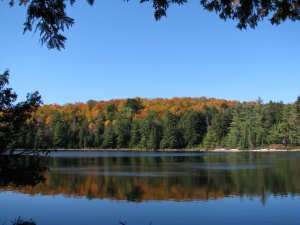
(50, 18)
(176, 123)
(14, 169)
(13, 116)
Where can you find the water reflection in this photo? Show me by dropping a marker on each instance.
(162, 176)
(18, 170)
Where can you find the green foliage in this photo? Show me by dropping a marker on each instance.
(123, 127)
(134, 104)
(111, 110)
(91, 103)
(151, 131)
(59, 135)
(109, 137)
(99, 134)
(172, 137)
(193, 126)
(246, 129)
(124, 124)
(13, 116)
(136, 135)
(218, 130)
(297, 103)
(287, 131)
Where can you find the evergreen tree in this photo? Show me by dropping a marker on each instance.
(151, 131)
(109, 136)
(218, 130)
(99, 134)
(172, 135)
(111, 110)
(134, 104)
(42, 138)
(272, 114)
(135, 134)
(29, 141)
(193, 126)
(246, 129)
(59, 137)
(286, 132)
(123, 127)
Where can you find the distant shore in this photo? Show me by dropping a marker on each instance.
(182, 150)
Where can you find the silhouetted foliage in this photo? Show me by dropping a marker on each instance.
(20, 221)
(134, 104)
(13, 116)
(50, 17)
(250, 12)
(19, 170)
(16, 170)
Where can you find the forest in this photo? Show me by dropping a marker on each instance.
(152, 124)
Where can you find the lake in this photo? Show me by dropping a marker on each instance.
(142, 188)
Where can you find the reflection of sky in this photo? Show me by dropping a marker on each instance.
(237, 188)
(231, 210)
(112, 153)
(128, 154)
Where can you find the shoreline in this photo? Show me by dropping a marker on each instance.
(176, 150)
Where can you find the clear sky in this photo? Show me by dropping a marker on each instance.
(118, 50)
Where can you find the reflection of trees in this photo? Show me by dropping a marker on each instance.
(19, 171)
(171, 178)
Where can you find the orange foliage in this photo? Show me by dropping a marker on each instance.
(82, 112)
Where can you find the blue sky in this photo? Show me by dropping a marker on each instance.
(118, 50)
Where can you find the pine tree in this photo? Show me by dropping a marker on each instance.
(217, 131)
(99, 134)
(172, 135)
(151, 131)
(59, 138)
(123, 127)
(135, 134)
(109, 137)
(286, 132)
(193, 126)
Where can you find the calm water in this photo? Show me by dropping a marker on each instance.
(164, 188)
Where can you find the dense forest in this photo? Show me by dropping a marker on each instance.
(152, 124)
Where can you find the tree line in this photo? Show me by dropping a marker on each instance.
(177, 123)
